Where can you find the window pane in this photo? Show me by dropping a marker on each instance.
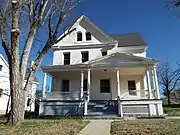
(85, 56)
(85, 85)
(88, 36)
(104, 53)
(105, 86)
(65, 85)
(132, 87)
(79, 36)
(66, 58)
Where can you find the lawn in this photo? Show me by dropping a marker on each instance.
(146, 127)
(45, 127)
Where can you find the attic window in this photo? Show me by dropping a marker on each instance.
(88, 36)
(79, 36)
(0, 67)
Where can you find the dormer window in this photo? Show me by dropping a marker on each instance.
(88, 36)
(79, 36)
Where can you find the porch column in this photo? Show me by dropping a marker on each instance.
(82, 84)
(118, 83)
(44, 85)
(148, 84)
(156, 83)
(120, 111)
(89, 84)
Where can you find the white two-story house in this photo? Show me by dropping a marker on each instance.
(94, 73)
(5, 89)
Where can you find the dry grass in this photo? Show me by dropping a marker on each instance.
(45, 127)
(146, 127)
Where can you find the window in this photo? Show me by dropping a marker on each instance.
(28, 102)
(85, 56)
(79, 36)
(104, 53)
(1, 67)
(67, 58)
(85, 85)
(132, 87)
(105, 86)
(88, 36)
(65, 85)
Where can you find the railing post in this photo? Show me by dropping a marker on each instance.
(85, 107)
(120, 109)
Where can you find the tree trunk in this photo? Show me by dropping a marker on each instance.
(16, 84)
(169, 98)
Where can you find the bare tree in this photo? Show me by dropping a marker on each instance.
(169, 78)
(24, 19)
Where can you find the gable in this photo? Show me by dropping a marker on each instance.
(83, 25)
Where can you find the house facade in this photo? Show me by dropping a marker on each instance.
(94, 73)
(5, 89)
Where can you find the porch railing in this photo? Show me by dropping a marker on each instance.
(137, 94)
(75, 94)
(59, 95)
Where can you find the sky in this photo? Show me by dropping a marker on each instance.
(158, 25)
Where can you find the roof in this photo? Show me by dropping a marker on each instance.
(132, 39)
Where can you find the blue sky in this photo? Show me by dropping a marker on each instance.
(159, 26)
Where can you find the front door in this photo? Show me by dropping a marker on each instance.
(105, 89)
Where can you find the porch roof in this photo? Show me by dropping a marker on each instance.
(115, 60)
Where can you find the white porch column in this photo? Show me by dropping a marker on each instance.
(148, 84)
(156, 83)
(120, 111)
(44, 85)
(89, 84)
(82, 85)
(118, 83)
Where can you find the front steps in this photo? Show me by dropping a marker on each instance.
(102, 108)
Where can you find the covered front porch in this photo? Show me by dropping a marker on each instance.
(126, 84)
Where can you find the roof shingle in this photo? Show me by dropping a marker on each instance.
(133, 39)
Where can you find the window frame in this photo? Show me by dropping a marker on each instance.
(84, 59)
(105, 88)
(79, 38)
(132, 89)
(63, 85)
(67, 61)
(88, 36)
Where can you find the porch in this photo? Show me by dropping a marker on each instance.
(130, 84)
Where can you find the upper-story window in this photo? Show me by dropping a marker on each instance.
(104, 53)
(79, 36)
(1, 67)
(88, 36)
(66, 58)
(85, 56)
